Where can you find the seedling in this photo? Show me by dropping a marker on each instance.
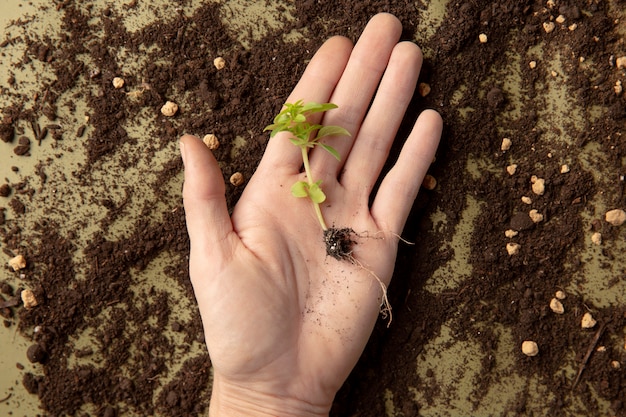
(306, 136)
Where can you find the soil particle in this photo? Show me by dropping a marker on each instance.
(36, 353)
(521, 221)
(5, 190)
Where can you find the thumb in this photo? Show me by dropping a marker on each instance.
(208, 221)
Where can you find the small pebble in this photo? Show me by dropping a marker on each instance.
(538, 185)
(560, 19)
(482, 38)
(572, 27)
(526, 200)
(429, 183)
(513, 248)
(506, 144)
(17, 263)
(621, 62)
(219, 63)
(548, 26)
(618, 87)
(616, 364)
(564, 169)
(511, 169)
(532, 64)
(236, 179)
(530, 348)
(535, 216)
(588, 321)
(560, 295)
(510, 233)
(596, 238)
(423, 89)
(118, 82)
(211, 141)
(615, 217)
(169, 109)
(557, 306)
(29, 299)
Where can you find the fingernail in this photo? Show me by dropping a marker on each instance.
(181, 145)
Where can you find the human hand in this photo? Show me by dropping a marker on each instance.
(284, 323)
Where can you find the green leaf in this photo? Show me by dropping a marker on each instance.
(300, 189)
(311, 108)
(332, 131)
(315, 192)
(331, 150)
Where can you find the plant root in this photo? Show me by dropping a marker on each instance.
(385, 306)
(339, 244)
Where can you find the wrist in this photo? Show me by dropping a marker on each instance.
(233, 400)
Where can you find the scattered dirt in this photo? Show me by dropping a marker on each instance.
(238, 100)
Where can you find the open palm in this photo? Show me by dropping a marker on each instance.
(285, 323)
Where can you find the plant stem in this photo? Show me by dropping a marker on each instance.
(309, 177)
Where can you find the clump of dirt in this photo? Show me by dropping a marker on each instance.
(339, 242)
(510, 290)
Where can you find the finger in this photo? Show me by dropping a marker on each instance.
(399, 188)
(356, 88)
(208, 221)
(316, 85)
(371, 148)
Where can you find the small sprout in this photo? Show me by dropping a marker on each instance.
(306, 136)
(236, 179)
(219, 63)
(535, 216)
(429, 183)
(482, 38)
(548, 26)
(587, 321)
(510, 233)
(616, 217)
(526, 200)
(29, 299)
(506, 144)
(564, 169)
(596, 238)
(211, 141)
(118, 82)
(538, 185)
(530, 348)
(511, 169)
(17, 263)
(423, 89)
(560, 295)
(513, 248)
(557, 306)
(532, 64)
(169, 109)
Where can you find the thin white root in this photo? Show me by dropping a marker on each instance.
(385, 306)
(374, 236)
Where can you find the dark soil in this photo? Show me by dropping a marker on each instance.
(511, 291)
(339, 242)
